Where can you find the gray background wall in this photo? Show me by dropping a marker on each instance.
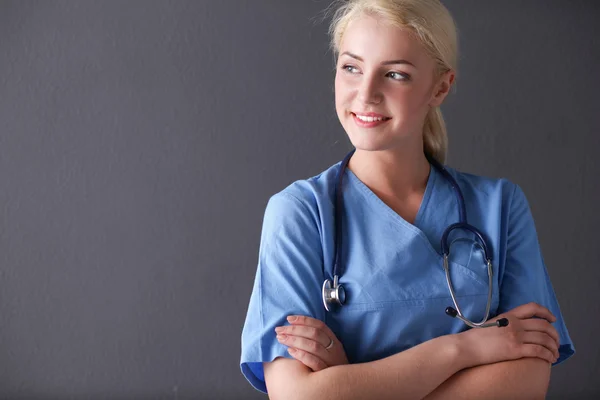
(140, 142)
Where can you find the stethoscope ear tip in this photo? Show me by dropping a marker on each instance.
(502, 322)
(451, 312)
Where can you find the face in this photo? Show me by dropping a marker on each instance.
(381, 100)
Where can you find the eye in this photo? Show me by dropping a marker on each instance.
(348, 68)
(397, 76)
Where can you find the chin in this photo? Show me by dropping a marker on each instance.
(370, 144)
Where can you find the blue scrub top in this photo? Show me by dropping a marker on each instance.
(396, 290)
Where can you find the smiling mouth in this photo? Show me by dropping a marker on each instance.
(369, 121)
(369, 118)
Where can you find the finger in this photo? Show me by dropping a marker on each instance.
(537, 351)
(307, 345)
(307, 332)
(312, 322)
(312, 362)
(541, 326)
(542, 339)
(530, 310)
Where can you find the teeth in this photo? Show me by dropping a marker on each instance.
(369, 119)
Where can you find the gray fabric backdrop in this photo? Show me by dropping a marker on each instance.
(141, 140)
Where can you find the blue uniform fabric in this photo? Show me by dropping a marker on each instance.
(396, 290)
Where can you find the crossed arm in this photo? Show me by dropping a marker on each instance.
(512, 363)
(526, 378)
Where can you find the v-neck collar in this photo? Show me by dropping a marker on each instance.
(393, 214)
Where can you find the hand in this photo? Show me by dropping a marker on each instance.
(524, 336)
(308, 338)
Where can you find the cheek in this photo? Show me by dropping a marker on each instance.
(420, 96)
(406, 100)
(338, 87)
(340, 94)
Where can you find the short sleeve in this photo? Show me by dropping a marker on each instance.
(288, 281)
(525, 277)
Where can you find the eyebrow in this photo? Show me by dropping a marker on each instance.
(390, 62)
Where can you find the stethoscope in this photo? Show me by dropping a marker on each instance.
(336, 295)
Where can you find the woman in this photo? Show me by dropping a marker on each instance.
(396, 62)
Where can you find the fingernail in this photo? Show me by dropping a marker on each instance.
(279, 329)
(291, 318)
(281, 337)
(291, 351)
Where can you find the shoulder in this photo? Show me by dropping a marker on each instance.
(485, 188)
(313, 188)
(304, 198)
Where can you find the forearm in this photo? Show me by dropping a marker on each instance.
(411, 374)
(526, 378)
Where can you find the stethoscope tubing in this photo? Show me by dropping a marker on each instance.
(336, 294)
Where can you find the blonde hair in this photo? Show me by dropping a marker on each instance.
(432, 24)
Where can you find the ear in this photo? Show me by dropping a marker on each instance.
(442, 88)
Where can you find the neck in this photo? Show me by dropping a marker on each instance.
(400, 173)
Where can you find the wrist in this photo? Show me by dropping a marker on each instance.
(465, 355)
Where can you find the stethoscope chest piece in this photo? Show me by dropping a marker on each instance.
(335, 294)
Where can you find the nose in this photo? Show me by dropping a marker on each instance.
(369, 91)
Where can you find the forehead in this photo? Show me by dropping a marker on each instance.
(374, 39)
